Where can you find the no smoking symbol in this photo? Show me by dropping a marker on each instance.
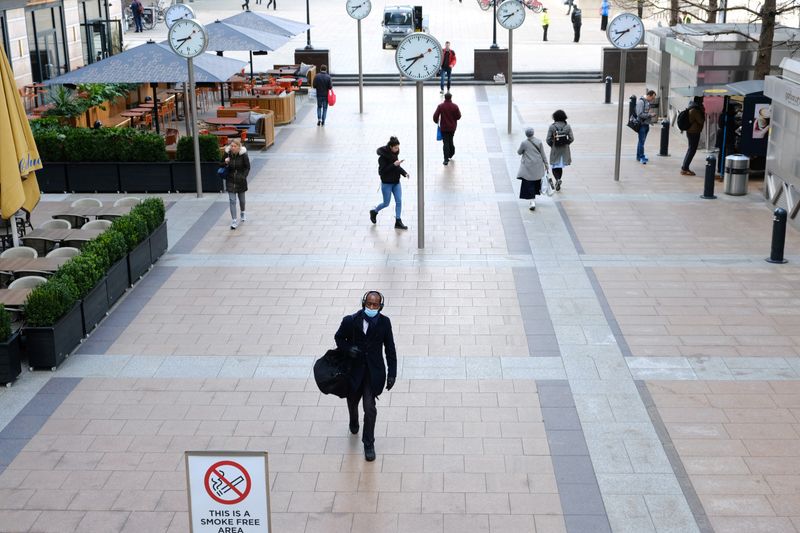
(227, 482)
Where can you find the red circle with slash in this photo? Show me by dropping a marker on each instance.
(229, 486)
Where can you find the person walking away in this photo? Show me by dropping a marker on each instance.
(238, 164)
(559, 137)
(569, 6)
(364, 336)
(448, 62)
(532, 168)
(545, 23)
(577, 22)
(138, 10)
(605, 7)
(389, 170)
(697, 119)
(322, 84)
(645, 119)
(273, 3)
(246, 5)
(447, 115)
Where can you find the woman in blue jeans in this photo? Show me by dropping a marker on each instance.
(389, 170)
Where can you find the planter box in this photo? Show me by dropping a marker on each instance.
(52, 177)
(93, 177)
(490, 61)
(94, 306)
(158, 242)
(117, 281)
(145, 177)
(183, 179)
(48, 347)
(9, 360)
(139, 261)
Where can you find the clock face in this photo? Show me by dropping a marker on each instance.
(188, 38)
(177, 12)
(626, 31)
(418, 56)
(511, 14)
(359, 9)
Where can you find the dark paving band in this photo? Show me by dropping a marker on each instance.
(542, 340)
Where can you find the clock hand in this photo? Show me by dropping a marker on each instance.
(354, 8)
(621, 32)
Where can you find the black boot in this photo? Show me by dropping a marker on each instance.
(354, 427)
(369, 452)
(398, 224)
(373, 216)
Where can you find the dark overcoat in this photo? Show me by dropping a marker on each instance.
(372, 345)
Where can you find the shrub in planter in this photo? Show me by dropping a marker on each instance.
(209, 148)
(133, 228)
(146, 147)
(5, 324)
(9, 349)
(84, 270)
(54, 326)
(50, 301)
(50, 144)
(110, 246)
(152, 210)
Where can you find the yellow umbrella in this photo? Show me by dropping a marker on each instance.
(18, 154)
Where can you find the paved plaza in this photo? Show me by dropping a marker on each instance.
(622, 359)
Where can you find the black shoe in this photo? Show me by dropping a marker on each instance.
(354, 428)
(369, 452)
(445, 162)
(373, 216)
(398, 224)
(323, 123)
(319, 123)
(558, 185)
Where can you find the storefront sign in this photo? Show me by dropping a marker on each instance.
(228, 492)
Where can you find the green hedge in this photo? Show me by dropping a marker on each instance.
(209, 148)
(5, 324)
(66, 144)
(133, 228)
(153, 211)
(48, 302)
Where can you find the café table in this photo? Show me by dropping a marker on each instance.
(226, 133)
(20, 264)
(224, 121)
(14, 298)
(98, 212)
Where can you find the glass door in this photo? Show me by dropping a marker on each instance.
(48, 50)
(96, 43)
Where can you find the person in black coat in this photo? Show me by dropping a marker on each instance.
(238, 164)
(577, 22)
(322, 84)
(364, 335)
(389, 170)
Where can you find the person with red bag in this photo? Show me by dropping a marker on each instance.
(448, 62)
(324, 87)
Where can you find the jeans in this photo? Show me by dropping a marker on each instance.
(322, 107)
(644, 129)
(387, 190)
(137, 21)
(447, 144)
(232, 202)
(694, 140)
(449, 72)
(370, 411)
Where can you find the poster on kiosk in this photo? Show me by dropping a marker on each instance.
(228, 492)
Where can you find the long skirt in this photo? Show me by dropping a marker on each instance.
(529, 189)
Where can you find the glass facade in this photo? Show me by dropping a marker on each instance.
(46, 41)
(95, 27)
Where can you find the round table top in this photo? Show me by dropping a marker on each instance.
(131, 113)
(285, 80)
(142, 109)
(225, 133)
(224, 121)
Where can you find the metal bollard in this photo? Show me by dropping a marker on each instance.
(708, 185)
(778, 236)
(608, 89)
(663, 150)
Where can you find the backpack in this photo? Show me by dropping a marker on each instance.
(560, 137)
(683, 120)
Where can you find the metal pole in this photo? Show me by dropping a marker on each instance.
(420, 172)
(186, 113)
(195, 137)
(778, 236)
(510, 68)
(360, 74)
(154, 86)
(308, 33)
(623, 60)
(252, 82)
(494, 22)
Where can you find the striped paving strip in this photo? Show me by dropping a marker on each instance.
(608, 313)
(542, 340)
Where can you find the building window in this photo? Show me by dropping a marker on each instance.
(46, 41)
(101, 37)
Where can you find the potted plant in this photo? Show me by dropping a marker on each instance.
(112, 244)
(53, 323)
(87, 272)
(9, 349)
(49, 136)
(133, 228)
(92, 159)
(145, 167)
(183, 173)
(152, 209)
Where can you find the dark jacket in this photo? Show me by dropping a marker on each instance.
(238, 169)
(322, 84)
(449, 114)
(387, 170)
(576, 17)
(697, 118)
(379, 337)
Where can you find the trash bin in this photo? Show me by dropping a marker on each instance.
(737, 173)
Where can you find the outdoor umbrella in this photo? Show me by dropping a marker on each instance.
(267, 23)
(18, 154)
(152, 63)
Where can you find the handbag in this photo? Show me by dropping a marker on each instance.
(332, 373)
(331, 97)
(634, 124)
(222, 172)
(438, 133)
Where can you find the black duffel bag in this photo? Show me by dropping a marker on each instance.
(332, 373)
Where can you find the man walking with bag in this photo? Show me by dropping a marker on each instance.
(364, 335)
(448, 62)
(322, 84)
(447, 116)
(645, 118)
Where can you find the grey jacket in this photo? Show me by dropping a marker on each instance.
(559, 152)
(643, 111)
(533, 164)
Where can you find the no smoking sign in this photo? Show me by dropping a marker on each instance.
(228, 492)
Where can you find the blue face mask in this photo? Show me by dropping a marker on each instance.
(372, 313)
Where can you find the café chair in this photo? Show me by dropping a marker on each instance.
(56, 223)
(63, 251)
(20, 252)
(87, 202)
(128, 201)
(27, 282)
(97, 224)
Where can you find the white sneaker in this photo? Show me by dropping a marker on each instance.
(234, 224)
(244, 217)
(532, 206)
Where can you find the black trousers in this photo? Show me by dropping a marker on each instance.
(694, 141)
(364, 394)
(544, 31)
(448, 148)
(577, 33)
(603, 22)
(557, 173)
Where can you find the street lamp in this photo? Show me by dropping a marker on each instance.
(308, 33)
(494, 27)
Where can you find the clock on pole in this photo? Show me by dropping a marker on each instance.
(358, 9)
(418, 56)
(177, 12)
(511, 14)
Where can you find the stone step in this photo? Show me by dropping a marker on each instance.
(593, 76)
